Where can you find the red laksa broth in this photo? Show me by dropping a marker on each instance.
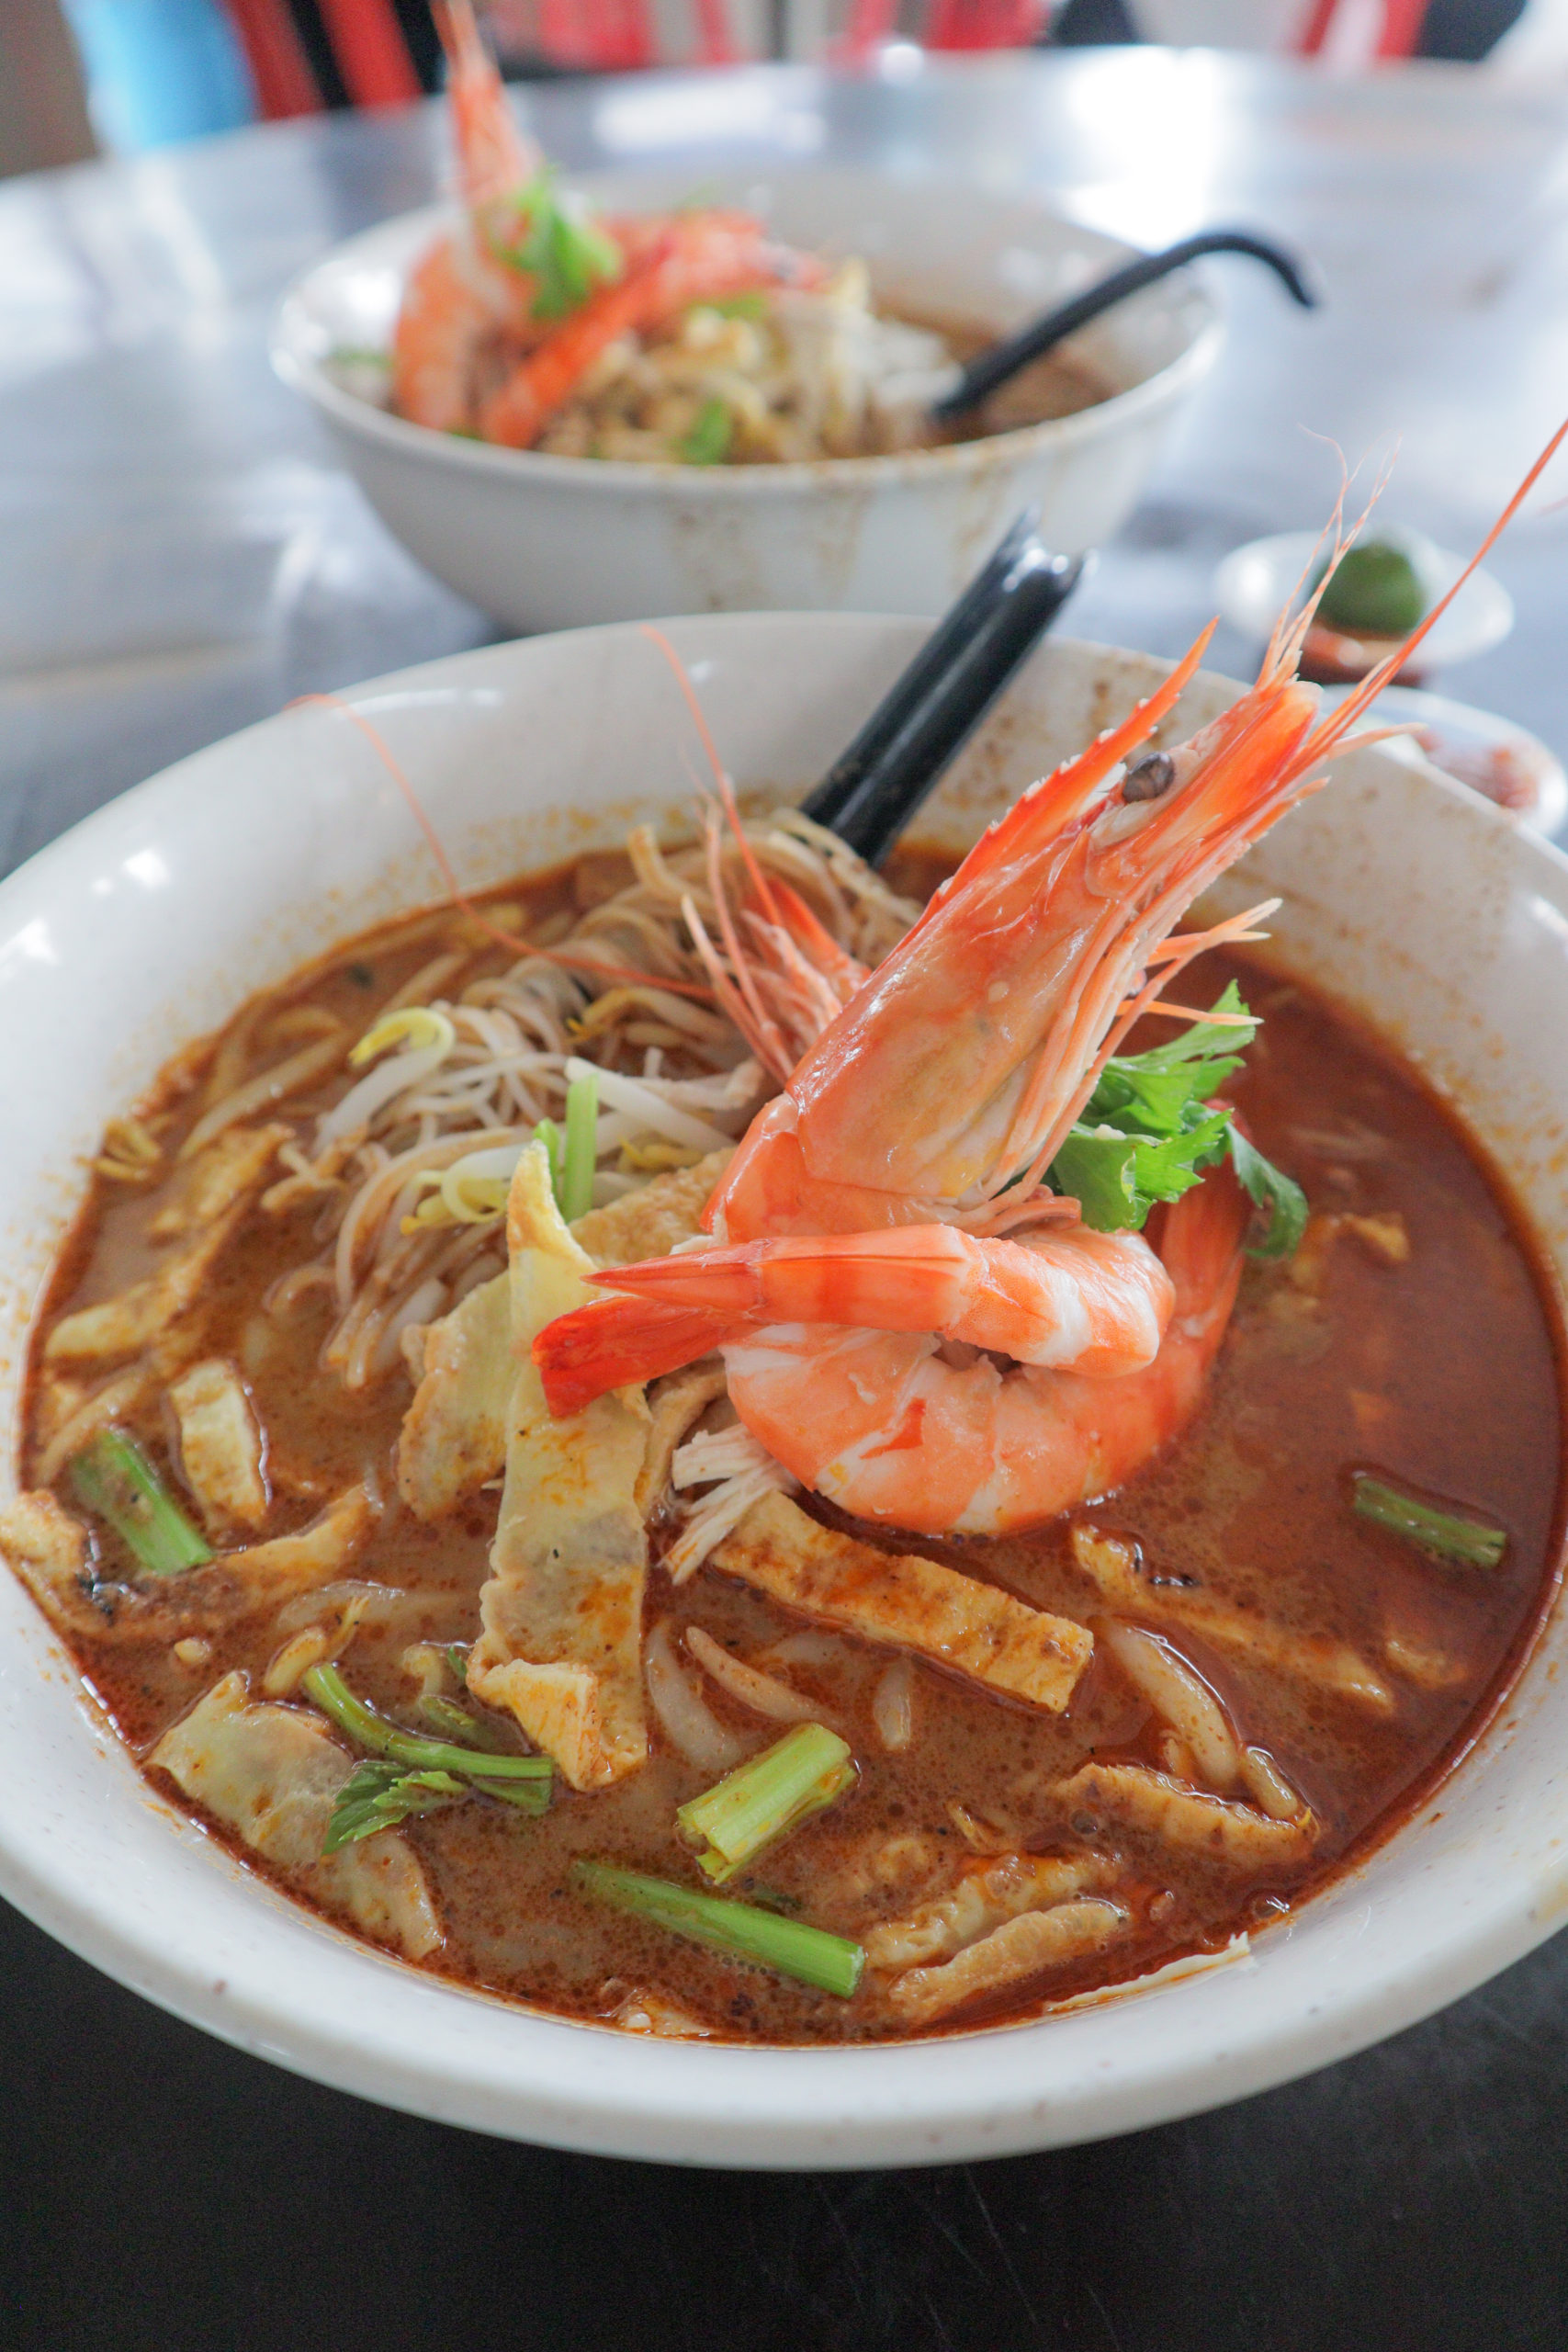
(611, 1709)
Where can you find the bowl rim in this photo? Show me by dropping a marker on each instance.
(498, 2066)
(303, 371)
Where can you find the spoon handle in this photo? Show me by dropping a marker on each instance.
(873, 790)
(994, 366)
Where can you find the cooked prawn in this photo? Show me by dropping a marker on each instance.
(1093, 1302)
(693, 257)
(460, 297)
(944, 1092)
(888, 1426)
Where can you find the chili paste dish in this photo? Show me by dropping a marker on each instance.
(748, 1451)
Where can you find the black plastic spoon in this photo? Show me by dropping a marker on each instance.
(917, 730)
(993, 367)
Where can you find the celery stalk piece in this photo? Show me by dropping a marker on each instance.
(576, 1187)
(1441, 1532)
(372, 1731)
(832, 1964)
(113, 1478)
(762, 1800)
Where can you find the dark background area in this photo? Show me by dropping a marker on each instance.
(162, 2193)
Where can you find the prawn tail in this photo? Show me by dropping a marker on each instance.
(911, 1278)
(618, 1342)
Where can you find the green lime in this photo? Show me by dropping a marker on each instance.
(1375, 591)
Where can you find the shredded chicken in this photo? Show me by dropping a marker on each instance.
(561, 1613)
(454, 1435)
(273, 1775)
(217, 1190)
(674, 1405)
(975, 1629)
(220, 1445)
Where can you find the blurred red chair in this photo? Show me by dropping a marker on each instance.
(1357, 31)
(949, 25)
(305, 55)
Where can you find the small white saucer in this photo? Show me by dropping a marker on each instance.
(1253, 585)
(1462, 730)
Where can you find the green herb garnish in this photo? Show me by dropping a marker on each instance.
(761, 1801)
(427, 1765)
(1270, 1189)
(113, 1478)
(1443, 1533)
(707, 443)
(1149, 1130)
(378, 1795)
(356, 354)
(832, 1964)
(567, 255)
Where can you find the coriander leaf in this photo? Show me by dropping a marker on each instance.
(1095, 1167)
(378, 1795)
(1203, 1036)
(1157, 1102)
(1277, 1194)
(1166, 1168)
(707, 443)
(566, 254)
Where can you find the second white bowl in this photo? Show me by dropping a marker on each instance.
(544, 542)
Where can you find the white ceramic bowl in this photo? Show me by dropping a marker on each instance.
(545, 542)
(1415, 903)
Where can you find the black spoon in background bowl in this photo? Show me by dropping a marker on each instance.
(922, 722)
(1000, 361)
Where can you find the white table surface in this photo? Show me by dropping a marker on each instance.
(180, 551)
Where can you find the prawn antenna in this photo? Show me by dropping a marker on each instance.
(623, 975)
